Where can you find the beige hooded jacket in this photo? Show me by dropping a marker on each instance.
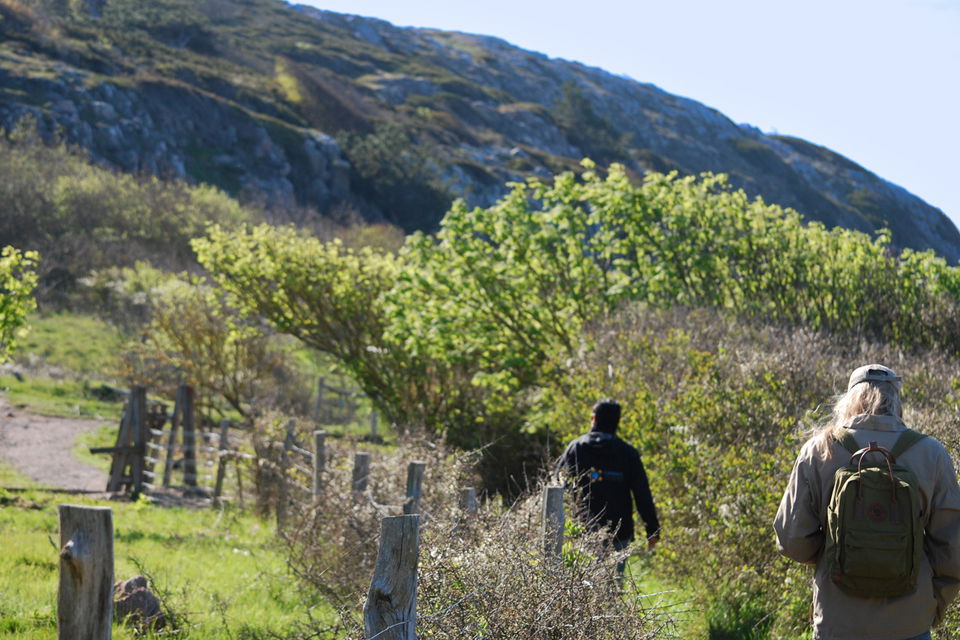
(801, 519)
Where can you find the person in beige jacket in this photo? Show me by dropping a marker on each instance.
(871, 411)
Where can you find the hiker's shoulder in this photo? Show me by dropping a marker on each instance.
(929, 446)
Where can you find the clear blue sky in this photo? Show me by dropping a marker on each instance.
(875, 80)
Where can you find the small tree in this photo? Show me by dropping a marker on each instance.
(195, 336)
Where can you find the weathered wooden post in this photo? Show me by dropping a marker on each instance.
(319, 460)
(351, 407)
(390, 612)
(468, 501)
(221, 461)
(361, 471)
(189, 439)
(414, 486)
(553, 521)
(126, 468)
(138, 405)
(85, 595)
(373, 425)
(282, 492)
(172, 440)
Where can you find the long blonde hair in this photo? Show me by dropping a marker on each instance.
(874, 398)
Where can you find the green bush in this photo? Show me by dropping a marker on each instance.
(196, 337)
(719, 408)
(17, 281)
(463, 331)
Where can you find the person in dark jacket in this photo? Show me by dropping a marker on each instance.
(609, 478)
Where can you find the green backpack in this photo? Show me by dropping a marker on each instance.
(874, 537)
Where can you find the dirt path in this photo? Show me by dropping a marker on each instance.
(41, 448)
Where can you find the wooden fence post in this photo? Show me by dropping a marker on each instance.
(373, 425)
(85, 594)
(189, 439)
(361, 471)
(283, 491)
(221, 461)
(468, 501)
(138, 404)
(414, 487)
(126, 468)
(390, 612)
(319, 460)
(172, 440)
(553, 521)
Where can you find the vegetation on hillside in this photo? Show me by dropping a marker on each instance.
(81, 217)
(420, 115)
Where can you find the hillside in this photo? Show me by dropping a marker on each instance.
(288, 105)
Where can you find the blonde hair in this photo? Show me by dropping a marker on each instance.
(873, 398)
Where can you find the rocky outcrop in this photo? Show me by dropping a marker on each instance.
(174, 130)
(291, 113)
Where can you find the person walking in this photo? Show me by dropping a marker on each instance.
(886, 568)
(609, 478)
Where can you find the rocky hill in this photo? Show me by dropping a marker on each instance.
(289, 105)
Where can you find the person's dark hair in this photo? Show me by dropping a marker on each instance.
(607, 414)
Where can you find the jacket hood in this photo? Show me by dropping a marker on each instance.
(599, 437)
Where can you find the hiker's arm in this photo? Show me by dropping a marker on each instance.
(799, 532)
(640, 487)
(943, 535)
(566, 465)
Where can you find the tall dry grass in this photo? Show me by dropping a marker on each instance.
(480, 576)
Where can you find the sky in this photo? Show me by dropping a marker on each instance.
(877, 81)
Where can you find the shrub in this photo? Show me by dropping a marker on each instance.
(719, 409)
(482, 576)
(17, 281)
(81, 217)
(462, 332)
(196, 337)
(397, 174)
(332, 539)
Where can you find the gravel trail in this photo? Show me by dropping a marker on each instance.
(41, 448)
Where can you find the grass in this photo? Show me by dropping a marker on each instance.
(680, 605)
(78, 349)
(64, 398)
(218, 571)
(105, 436)
(80, 344)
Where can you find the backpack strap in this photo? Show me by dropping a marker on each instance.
(906, 440)
(849, 442)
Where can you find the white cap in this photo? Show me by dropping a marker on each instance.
(873, 373)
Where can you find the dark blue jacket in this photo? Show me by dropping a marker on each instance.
(607, 473)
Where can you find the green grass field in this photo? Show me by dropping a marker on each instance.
(219, 572)
(78, 344)
(76, 352)
(58, 397)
